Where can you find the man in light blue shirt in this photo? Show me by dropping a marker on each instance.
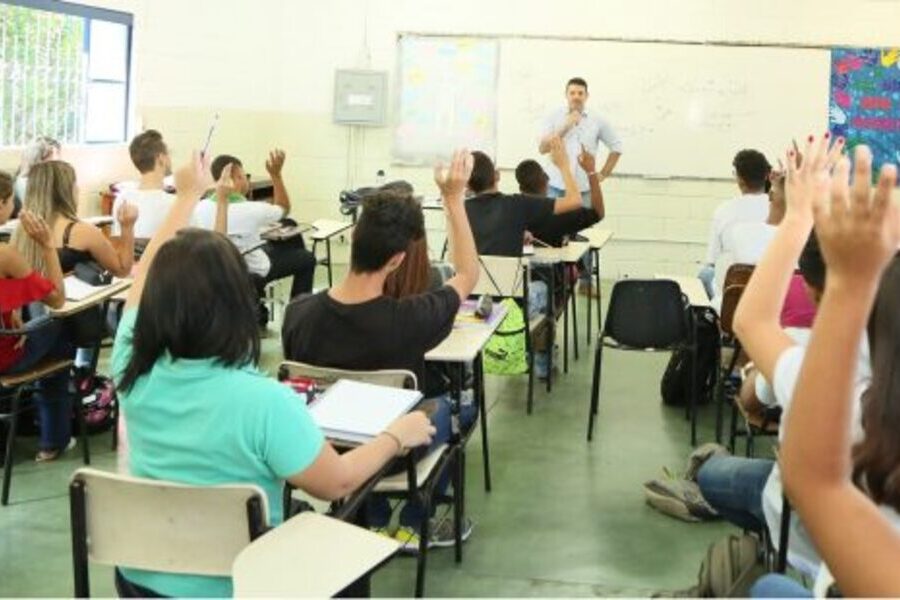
(581, 131)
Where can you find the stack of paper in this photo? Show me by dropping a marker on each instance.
(77, 290)
(356, 412)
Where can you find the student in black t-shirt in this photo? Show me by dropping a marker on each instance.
(356, 326)
(534, 181)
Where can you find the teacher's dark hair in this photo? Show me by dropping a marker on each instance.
(577, 81)
(198, 304)
(753, 167)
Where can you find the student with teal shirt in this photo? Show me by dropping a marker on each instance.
(198, 409)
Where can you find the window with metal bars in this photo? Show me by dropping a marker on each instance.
(64, 72)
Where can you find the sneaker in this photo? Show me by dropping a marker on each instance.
(442, 533)
(50, 455)
(409, 538)
(679, 498)
(699, 456)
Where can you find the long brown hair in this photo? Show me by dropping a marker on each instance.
(414, 274)
(876, 459)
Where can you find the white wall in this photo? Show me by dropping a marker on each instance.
(268, 67)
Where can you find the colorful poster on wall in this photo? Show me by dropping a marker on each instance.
(447, 97)
(865, 99)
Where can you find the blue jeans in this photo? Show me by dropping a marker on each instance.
(52, 397)
(587, 261)
(707, 276)
(734, 487)
(538, 298)
(778, 586)
(378, 509)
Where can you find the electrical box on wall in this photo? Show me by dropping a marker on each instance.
(360, 97)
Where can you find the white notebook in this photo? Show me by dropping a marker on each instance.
(77, 290)
(357, 412)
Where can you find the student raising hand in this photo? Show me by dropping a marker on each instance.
(858, 232)
(809, 175)
(452, 181)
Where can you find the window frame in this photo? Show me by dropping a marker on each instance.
(101, 14)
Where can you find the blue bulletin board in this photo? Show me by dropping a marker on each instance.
(865, 100)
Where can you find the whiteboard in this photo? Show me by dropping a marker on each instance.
(447, 97)
(682, 110)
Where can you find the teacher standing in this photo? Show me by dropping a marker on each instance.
(581, 131)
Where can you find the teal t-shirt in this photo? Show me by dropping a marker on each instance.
(197, 422)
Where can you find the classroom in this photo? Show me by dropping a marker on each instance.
(451, 299)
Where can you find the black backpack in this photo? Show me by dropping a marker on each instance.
(675, 386)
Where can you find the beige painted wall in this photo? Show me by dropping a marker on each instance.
(267, 67)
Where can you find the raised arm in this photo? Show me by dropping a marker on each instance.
(858, 237)
(191, 180)
(274, 166)
(572, 199)
(588, 163)
(224, 189)
(118, 259)
(757, 317)
(463, 254)
(572, 119)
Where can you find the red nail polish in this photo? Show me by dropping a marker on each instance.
(827, 135)
(811, 138)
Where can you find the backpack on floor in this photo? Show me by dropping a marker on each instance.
(675, 386)
(731, 566)
(98, 399)
(505, 353)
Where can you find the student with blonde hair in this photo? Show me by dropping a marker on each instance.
(41, 149)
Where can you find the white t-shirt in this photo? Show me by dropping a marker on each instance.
(802, 553)
(590, 131)
(742, 244)
(152, 205)
(749, 208)
(245, 221)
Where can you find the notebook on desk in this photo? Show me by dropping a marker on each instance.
(283, 233)
(77, 290)
(356, 412)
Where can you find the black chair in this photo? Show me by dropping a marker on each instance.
(646, 315)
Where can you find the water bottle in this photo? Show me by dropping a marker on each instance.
(380, 179)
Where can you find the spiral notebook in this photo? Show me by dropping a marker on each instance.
(355, 412)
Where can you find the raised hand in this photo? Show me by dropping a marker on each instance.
(127, 215)
(193, 178)
(453, 180)
(858, 230)
(275, 162)
(808, 179)
(225, 185)
(558, 153)
(587, 161)
(36, 228)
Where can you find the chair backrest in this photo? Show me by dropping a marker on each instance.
(326, 376)
(163, 526)
(647, 313)
(730, 299)
(737, 274)
(502, 276)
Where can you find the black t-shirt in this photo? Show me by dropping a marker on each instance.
(556, 227)
(383, 333)
(499, 221)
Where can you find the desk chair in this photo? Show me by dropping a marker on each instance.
(508, 277)
(419, 480)
(125, 521)
(646, 315)
(736, 280)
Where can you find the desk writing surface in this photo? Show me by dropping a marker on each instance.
(311, 556)
(691, 287)
(105, 293)
(571, 253)
(466, 339)
(597, 238)
(327, 228)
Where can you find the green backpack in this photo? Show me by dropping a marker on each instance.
(505, 353)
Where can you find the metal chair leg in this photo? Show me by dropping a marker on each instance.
(595, 387)
(10, 443)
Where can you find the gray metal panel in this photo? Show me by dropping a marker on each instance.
(360, 97)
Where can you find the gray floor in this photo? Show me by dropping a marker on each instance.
(565, 518)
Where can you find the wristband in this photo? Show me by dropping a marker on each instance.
(395, 438)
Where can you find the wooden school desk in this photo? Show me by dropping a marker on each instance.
(570, 254)
(102, 294)
(597, 238)
(323, 231)
(309, 556)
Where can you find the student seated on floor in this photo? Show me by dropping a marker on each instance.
(20, 285)
(748, 492)
(150, 156)
(198, 409)
(499, 221)
(268, 261)
(356, 326)
(850, 506)
(751, 170)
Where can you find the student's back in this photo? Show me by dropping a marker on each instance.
(499, 221)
